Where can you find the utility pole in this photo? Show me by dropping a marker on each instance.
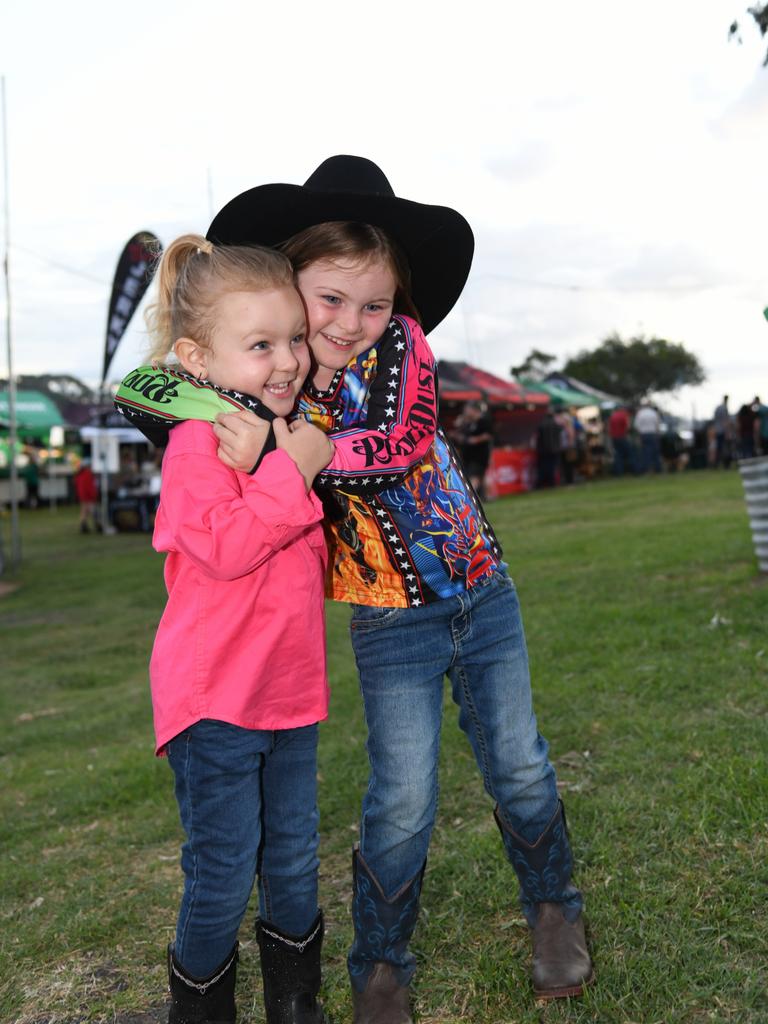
(15, 556)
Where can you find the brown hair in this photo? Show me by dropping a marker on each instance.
(193, 274)
(350, 240)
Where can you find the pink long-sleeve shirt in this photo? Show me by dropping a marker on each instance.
(242, 637)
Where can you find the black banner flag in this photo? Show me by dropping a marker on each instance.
(132, 277)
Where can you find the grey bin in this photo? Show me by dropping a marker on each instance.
(754, 476)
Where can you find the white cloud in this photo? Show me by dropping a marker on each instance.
(612, 167)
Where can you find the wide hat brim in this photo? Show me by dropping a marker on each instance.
(436, 240)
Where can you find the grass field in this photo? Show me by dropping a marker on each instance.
(646, 623)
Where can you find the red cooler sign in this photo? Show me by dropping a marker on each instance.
(511, 471)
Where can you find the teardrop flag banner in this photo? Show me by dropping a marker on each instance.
(134, 272)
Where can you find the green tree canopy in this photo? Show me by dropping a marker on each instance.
(637, 368)
(536, 364)
(760, 13)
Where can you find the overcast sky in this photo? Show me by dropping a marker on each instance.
(610, 157)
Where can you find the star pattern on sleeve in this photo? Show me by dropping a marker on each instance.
(398, 550)
(392, 386)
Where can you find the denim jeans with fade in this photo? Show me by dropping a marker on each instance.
(248, 805)
(403, 654)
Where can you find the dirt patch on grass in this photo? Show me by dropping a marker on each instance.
(8, 588)
(86, 988)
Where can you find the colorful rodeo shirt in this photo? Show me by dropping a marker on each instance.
(403, 524)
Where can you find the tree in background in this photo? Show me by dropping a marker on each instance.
(637, 368)
(760, 13)
(536, 365)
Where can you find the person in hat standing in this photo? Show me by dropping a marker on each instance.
(415, 556)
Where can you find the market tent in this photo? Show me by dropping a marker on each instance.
(560, 395)
(460, 382)
(36, 413)
(516, 411)
(596, 396)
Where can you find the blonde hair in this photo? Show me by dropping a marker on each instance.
(350, 240)
(193, 274)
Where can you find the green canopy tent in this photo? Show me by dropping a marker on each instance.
(596, 396)
(36, 413)
(561, 396)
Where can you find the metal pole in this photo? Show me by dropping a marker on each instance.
(15, 558)
(103, 453)
(210, 195)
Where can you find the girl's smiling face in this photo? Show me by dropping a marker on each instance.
(349, 304)
(258, 346)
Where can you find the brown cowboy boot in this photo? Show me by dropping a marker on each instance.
(383, 1000)
(561, 962)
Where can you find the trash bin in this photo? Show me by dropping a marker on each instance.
(754, 476)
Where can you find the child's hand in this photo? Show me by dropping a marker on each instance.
(308, 446)
(241, 438)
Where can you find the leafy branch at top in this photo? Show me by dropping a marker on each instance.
(760, 14)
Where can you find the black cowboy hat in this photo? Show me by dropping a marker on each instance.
(436, 240)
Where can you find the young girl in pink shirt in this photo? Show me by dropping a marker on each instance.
(238, 668)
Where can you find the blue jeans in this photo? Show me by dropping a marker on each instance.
(403, 654)
(650, 455)
(248, 804)
(623, 456)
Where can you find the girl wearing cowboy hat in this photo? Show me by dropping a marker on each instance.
(416, 558)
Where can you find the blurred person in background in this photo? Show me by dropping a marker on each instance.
(548, 449)
(568, 445)
(648, 426)
(746, 420)
(619, 424)
(762, 426)
(722, 425)
(87, 494)
(473, 434)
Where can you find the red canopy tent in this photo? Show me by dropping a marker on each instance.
(516, 413)
(460, 382)
(516, 410)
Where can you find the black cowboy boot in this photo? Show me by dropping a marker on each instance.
(202, 1000)
(380, 965)
(290, 969)
(552, 907)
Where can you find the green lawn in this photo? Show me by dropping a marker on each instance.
(646, 622)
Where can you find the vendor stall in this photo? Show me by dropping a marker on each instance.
(595, 395)
(36, 414)
(39, 427)
(516, 412)
(561, 396)
(123, 456)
